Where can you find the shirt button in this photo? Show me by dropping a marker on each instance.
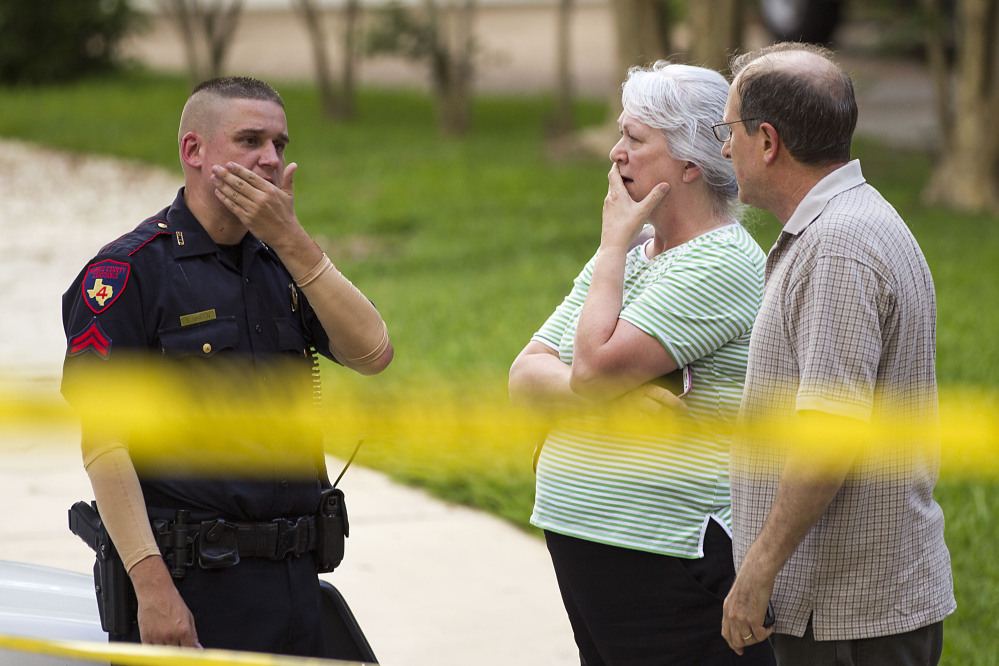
(207, 348)
(258, 328)
(284, 484)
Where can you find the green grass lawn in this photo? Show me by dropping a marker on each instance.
(466, 245)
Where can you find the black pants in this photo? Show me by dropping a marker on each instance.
(632, 608)
(258, 605)
(921, 647)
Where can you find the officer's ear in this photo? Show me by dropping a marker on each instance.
(190, 150)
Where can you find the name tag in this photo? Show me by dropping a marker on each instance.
(197, 317)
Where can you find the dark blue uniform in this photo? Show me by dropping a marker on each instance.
(233, 316)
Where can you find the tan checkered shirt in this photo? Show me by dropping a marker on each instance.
(848, 327)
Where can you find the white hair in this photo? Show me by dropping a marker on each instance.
(684, 101)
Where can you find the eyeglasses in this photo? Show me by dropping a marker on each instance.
(723, 131)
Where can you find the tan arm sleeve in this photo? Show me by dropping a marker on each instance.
(120, 503)
(358, 335)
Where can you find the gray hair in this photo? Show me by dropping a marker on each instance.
(684, 101)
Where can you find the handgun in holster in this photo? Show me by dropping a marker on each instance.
(116, 601)
(332, 528)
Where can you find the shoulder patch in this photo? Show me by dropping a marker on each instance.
(91, 338)
(104, 283)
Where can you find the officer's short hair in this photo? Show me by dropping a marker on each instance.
(239, 87)
(207, 100)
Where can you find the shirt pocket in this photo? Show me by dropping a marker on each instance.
(289, 336)
(204, 340)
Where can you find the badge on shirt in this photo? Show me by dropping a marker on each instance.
(92, 338)
(104, 283)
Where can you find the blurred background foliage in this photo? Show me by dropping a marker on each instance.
(60, 40)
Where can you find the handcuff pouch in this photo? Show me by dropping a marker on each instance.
(217, 545)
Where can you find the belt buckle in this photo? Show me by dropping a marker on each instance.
(289, 537)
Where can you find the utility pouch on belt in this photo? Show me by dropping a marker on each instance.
(115, 595)
(332, 528)
(217, 545)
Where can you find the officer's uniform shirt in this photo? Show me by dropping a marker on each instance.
(167, 288)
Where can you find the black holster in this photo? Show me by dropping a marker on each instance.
(115, 595)
(332, 528)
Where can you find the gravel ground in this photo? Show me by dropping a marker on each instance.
(57, 210)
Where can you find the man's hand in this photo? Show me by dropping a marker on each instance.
(744, 610)
(814, 472)
(266, 209)
(164, 618)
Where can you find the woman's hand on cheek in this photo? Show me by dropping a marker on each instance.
(623, 217)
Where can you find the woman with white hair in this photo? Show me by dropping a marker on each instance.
(635, 505)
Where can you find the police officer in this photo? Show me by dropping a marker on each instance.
(225, 273)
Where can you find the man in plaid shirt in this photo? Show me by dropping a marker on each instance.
(842, 534)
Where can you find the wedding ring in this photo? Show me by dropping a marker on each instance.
(746, 638)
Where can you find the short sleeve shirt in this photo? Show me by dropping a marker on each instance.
(166, 291)
(656, 491)
(847, 327)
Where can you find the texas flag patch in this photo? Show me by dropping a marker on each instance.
(92, 338)
(104, 283)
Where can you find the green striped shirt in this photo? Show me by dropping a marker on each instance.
(646, 490)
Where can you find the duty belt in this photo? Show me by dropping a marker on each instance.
(213, 544)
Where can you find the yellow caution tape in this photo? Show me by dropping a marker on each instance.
(163, 418)
(128, 654)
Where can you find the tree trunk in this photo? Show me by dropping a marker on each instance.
(715, 32)
(561, 122)
(220, 27)
(348, 73)
(451, 64)
(936, 55)
(642, 29)
(967, 174)
(336, 100)
(206, 31)
(181, 13)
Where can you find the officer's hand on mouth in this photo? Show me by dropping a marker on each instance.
(264, 207)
